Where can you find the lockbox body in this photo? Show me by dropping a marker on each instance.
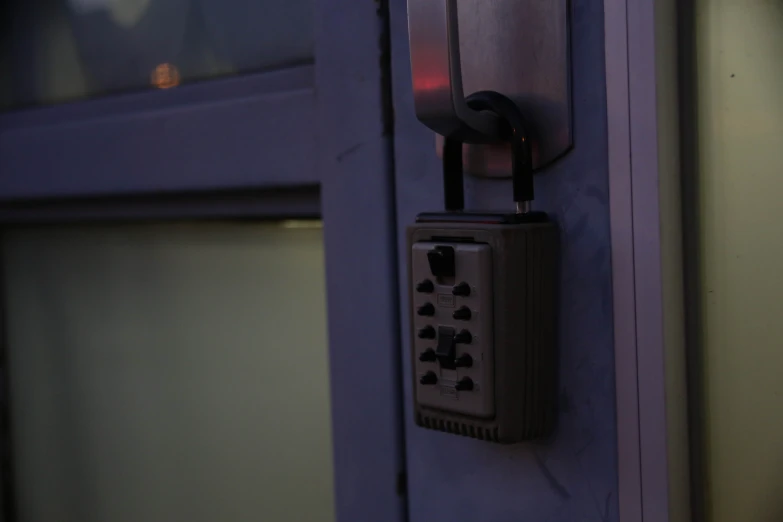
(483, 301)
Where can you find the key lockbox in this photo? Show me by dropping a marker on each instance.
(483, 304)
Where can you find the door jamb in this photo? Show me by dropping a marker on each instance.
(646, 230)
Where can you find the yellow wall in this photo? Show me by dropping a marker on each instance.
(740, 88)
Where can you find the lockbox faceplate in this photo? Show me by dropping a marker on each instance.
(484, 333)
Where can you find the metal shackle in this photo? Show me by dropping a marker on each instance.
(514, 130)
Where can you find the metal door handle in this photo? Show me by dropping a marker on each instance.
(439, 100)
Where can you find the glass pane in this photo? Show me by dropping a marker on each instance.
(58, 50)
(739, 46)
(171, 372)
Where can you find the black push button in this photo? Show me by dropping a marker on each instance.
(427, 310)
(425, 287)
(461, 290)
(464, 361)
(462, 313)
(464, 337)
(431, 378)
(445, 349)
(428, 332)
(428, 355)
(441, 260)
(465, 384)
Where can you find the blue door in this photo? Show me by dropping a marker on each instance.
(203, 208)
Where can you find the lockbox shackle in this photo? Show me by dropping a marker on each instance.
(515, 132)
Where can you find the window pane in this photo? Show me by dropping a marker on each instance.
(171, 372)
(59, 50)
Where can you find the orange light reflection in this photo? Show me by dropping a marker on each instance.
(165, 76)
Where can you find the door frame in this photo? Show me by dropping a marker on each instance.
(647, 260)
(308, 140)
